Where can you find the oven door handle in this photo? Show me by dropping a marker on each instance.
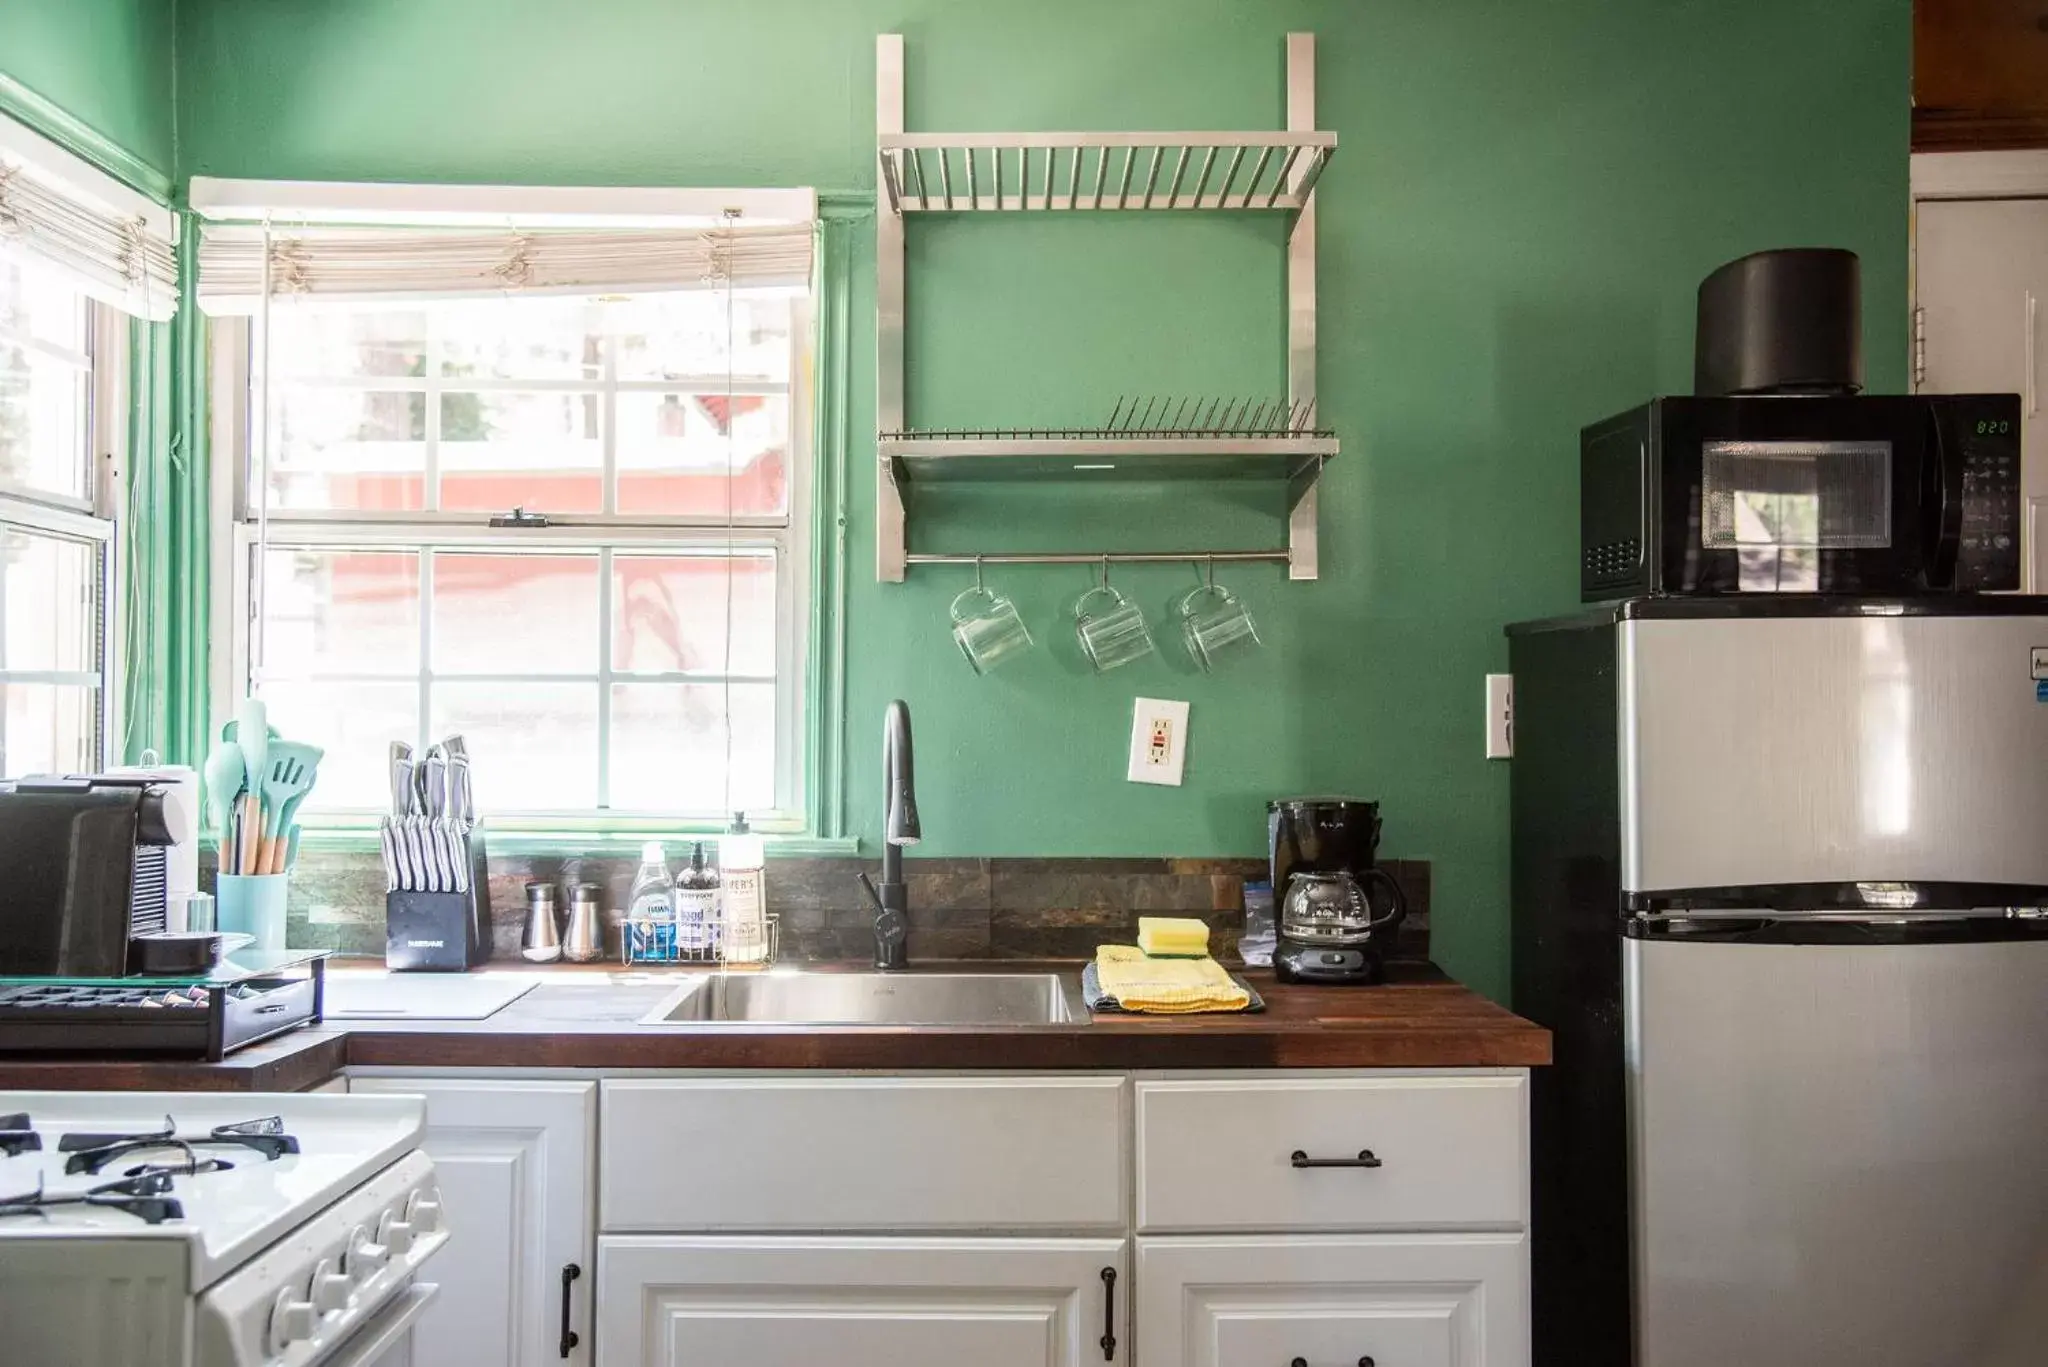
(371, 1341)
(1945, 529)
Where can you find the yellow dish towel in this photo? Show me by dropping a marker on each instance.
(1172, 987)
(1173, 937)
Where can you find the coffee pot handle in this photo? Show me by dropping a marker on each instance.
(1399, 909)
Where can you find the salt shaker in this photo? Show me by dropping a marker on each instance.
(543, 942)
(583, 941)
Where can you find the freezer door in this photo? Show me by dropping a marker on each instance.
(1761, 752)
(1837, 1153)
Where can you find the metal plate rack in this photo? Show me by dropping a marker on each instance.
(1250, 172)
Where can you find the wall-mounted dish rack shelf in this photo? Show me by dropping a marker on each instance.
(1256, 172)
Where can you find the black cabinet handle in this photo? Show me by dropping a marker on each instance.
(1366, 1159)
(1303, 1362)
(570, 1272)
(1108, 1339)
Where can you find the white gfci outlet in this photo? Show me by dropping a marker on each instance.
(1159, 741)
(1500, 716)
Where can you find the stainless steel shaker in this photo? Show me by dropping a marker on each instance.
(543, 940)
(583, 941)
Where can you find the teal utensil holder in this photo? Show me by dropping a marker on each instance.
(253, 904)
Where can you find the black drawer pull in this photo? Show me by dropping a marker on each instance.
(1303, 1362)
(1366, 1159)
(570, 1272)
(1108, 1339)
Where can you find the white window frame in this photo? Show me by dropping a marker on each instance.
(98, 520)
(789, 535)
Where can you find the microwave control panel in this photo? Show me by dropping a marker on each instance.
(1988, 557)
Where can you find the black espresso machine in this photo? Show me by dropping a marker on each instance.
(1333, 927)
(83, 906)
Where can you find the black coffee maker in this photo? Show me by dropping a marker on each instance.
(1330, 928)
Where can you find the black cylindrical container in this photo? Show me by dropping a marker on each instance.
(1788, 321)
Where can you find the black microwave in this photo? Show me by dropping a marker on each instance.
(1838, 493)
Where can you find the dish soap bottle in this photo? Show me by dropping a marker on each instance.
(651, 912)
(745, 920)
(697, 907)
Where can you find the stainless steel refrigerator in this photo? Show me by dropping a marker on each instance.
(1780, 867)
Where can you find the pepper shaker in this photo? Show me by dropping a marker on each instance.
(543, 941)
(583, 942)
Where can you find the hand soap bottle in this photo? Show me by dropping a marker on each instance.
(697, 918)
(740, 861)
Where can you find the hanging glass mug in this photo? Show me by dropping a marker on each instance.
(1113, 634)
(987, 627)
(1214, 623)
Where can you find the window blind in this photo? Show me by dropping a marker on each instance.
(366, 265)
(109, 242)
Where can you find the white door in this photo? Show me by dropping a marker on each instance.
(666, 1301)
(1982, 278)
(1447, 1300)
(514, 1163)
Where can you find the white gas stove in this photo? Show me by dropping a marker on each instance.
(180, 1229)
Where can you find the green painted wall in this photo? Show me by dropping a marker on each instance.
(106, 63)
(1524, 200)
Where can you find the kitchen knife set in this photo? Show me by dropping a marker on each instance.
(255, 781)
(426, 839)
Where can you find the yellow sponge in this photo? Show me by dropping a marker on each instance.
(1173, 937)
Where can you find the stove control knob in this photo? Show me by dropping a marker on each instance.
(423, 1211)
(364, 1257)
(330, 1288)
(395, 1234)
(291, 1320)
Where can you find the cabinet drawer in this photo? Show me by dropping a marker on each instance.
(1217, 1154)
(863, 1153)
(1443, 1300)
(860, 1302)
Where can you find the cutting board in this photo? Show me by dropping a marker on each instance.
(422, 996)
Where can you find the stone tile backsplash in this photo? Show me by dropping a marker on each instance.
(959, 908)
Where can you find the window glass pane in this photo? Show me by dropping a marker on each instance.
(523, 339)
(532, 747)
(705, 454)
(681, 336)
(669, 613)
(48, 729)
(39, 304)
(356, 449)
(50, 592)
(515, 614)
(355, 724)
(341, 611)
(668, 747)
(504, 449)
(329, 343)
(43, 416)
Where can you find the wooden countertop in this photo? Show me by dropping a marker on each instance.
(587, 1017)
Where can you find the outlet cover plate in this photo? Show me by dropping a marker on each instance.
(1500, 716)
(1159, 741)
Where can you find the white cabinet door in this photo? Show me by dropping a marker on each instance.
(513, 1160)
(1446, 1300)
(903, 1302)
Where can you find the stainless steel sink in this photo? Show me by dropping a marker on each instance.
(872, 999)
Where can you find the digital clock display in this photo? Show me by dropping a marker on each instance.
(1994, 427)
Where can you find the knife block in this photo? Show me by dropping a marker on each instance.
(442, 932)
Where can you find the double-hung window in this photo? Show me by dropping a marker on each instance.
(566, 522)
(58, 386)
(79, 253)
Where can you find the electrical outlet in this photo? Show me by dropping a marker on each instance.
(1159, 741)
(1500, 716)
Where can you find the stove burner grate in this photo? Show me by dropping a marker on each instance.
(147, 1197)
(18, 1135)
(92, 1152)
